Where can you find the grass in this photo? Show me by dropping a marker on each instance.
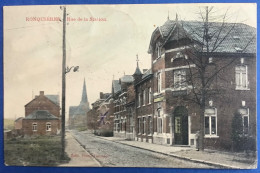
(37, 151)
(8, 124)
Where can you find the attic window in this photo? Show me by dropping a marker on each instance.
(236, 37)
(238, 49)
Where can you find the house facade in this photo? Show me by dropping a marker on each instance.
(231, 74)
(192, 87)
(42, 116)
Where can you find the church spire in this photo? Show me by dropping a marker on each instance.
(84, 98)
(137, 70)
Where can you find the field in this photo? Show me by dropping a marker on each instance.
(8, 124)
(37, 151)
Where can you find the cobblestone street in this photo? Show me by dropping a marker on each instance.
(112, 154)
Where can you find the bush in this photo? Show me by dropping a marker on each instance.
(105, 133)
(240, 141)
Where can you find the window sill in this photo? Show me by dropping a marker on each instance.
(48, 130)
(150, 135)
(241, 89)
(211, 136)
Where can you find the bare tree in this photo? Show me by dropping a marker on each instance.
(207, 40)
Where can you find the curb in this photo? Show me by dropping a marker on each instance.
(83, 146)
(222, 166)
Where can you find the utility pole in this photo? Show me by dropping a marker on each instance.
(63, 85)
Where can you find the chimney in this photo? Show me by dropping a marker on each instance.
(101, 95)
(41, 93)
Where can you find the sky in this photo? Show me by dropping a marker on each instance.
(103, 50)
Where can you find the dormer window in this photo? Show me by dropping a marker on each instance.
(158, 51)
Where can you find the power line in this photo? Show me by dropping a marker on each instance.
(30, 26)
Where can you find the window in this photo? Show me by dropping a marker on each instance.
(139, 125)
(144, 97)
(150, 125)
(139, 100)
(211, 122)
(48, 126)
(144, 126)
(159, 82)
(149, 95)
(245, 119)
(241, 77)
(159, 121)
(158, 51)
(177, 124)
(34, 126)
(180, 79)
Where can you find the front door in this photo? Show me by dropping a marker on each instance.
(180, 125)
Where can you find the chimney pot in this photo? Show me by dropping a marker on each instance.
(41, 93)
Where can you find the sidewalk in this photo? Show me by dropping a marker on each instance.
(220, 159)
(79, 157)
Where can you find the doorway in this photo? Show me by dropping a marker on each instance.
(180, 119)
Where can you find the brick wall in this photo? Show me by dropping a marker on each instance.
(41, 127)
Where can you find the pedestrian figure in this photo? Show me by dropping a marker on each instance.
(197, 137)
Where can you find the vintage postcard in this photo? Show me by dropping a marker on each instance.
(145, 85)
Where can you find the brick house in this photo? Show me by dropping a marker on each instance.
(233, 89)
(101, 117)
(122, 107)
(42, 115)
(143, 107)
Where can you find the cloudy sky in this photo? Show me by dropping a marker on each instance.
(102, 49)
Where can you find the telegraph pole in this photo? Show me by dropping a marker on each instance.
(63, 85)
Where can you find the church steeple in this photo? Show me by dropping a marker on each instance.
(137, 70)
(138, 74)
(84, 97)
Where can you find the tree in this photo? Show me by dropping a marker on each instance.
(207, 39)
(237, 130)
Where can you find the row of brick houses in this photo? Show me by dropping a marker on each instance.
(156, 106)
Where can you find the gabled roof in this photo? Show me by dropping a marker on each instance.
(147, 73)
(233, 37)
(54, 98)
(72, 110)
(41, 115)
(127, 78)
(116, 86)
(20, 118)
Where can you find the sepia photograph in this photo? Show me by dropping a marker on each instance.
(130, 85)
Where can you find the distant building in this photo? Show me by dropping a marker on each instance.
(18, 123)
(42, 115)
(100, 118)
(78, 114)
